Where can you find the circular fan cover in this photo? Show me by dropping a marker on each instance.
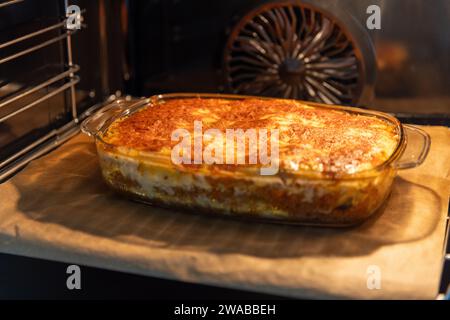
(294, 50)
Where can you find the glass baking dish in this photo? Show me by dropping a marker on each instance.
(307, 197)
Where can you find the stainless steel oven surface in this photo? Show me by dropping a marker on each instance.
(67, 65)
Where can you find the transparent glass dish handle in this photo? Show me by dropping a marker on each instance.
(418, 144)
(94, 123)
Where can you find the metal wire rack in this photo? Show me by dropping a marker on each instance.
(12, 105)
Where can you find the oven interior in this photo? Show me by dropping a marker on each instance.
(53, 75)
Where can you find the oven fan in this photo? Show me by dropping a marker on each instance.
(296, 50)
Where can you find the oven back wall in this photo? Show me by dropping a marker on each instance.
(178, 45)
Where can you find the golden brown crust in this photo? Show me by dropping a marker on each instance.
(311, 138)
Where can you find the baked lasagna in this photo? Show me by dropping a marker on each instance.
(327, 159)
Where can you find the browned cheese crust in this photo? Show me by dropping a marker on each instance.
(310, 138)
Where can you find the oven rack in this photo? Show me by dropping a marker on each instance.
(10, 2)
(444, 288)
(64, 75)
(61, 82)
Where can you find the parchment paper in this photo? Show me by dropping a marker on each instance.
(58, 208)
